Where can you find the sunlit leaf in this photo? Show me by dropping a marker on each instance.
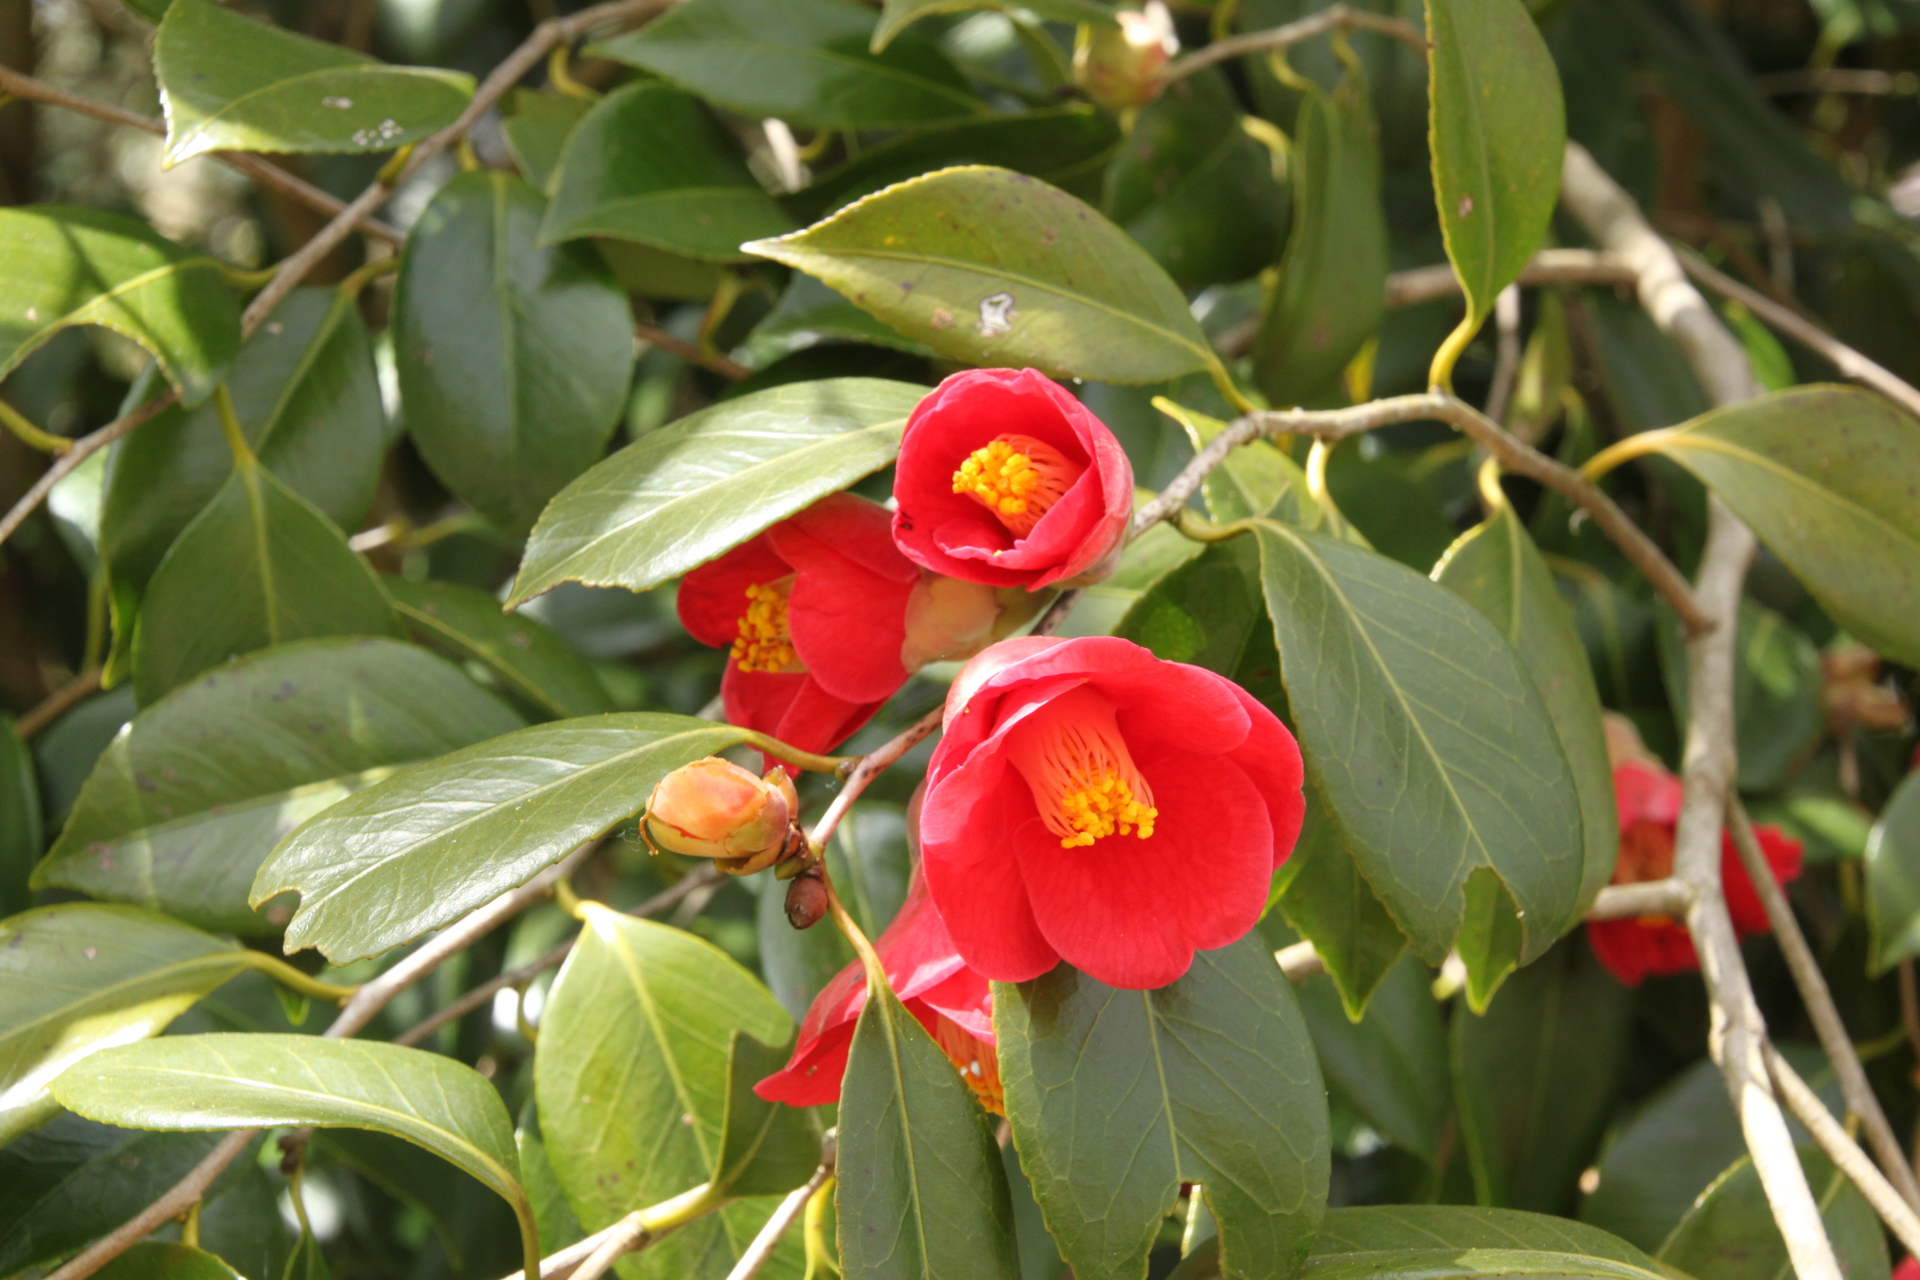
(533, 665)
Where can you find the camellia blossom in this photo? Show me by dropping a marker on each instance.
(1648, 799)
(813, 615)
(1007, 480)
(952, 1001)
(1091, 803)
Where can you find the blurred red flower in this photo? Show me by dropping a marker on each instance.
(1648, 799)
(950, 1000)
(1006, 479)
(814, 613)
(1091, 803)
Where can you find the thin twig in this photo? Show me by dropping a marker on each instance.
(83, 448)
(1849, 362)
(869, 767)
(1506, 362)
(1299, 961)
(57, 703)
(781, 1220)
(1807, 1108)
(589, 1258)
(1839, 80)
(1335, 17)
(676, 346)
(1547, 267)
(1818, 999)
(1668, 897)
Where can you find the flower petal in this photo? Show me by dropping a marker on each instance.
(713, 598)
(967, 825)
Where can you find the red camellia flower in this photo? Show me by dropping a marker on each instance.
(1006, 479)
(951, 1001)
(1648, 798)
(814, 613)
(1091, 803)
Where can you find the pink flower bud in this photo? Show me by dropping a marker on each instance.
(949, 620)
(714, 809)
(1119, 67)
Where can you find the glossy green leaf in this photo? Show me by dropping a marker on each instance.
(308, 400)
(651, 163)
(633, 1085)
(423, 848)
(513, 357)
(239, 1081)
(1206, 611)
(533, 665)
(1827, 477)
(185, 803)
(77, 978)
(804, 61)
(809, 312)
(1332, 292)
(1496, 568)
(1730, 1234)
(991, 267)
(1893, 878)
(766, 1148)
(1777, 685)
(1390, 1067)
(898, 15)
(1440, 1242)
(167, 1260)
(229, 83)
(1537, 1076)
(21, 835)
(1427, 740)
(259, 566)
(1497, 130)
(922, 1193)
(1255, 479)
(1117, 1097)
(61, 267)
(307, 1262)
(680, 496)
(1325, 896)
(536, 131)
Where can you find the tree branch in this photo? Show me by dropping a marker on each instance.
(1668, 897)
(781, 1220)
(673, 345)
(1335, 17)
(1547, 267)
(869, 767)
(1843, 1151)
(83, 448)
(58, 702)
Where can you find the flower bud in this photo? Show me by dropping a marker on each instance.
(949, 620)
(1119, 67)
(714, 809)
(806, 900)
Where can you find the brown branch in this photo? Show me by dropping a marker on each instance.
(781, 1220)
(58, 702)
(868, 767)
(1843, 1151)
(1668, 897)
(83, 448)
(714, 362)
(1335, 17)
(1547, 267)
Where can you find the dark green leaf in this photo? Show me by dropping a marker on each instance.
(651, 163)
(307, 1262)
(1391, 1066)
(69, 267)
(533, 665)
(809, 311)
(1117, 1097)
(537, 131)
(1440, 1242)
(1256, 479)
(1730, 1234)
(1828, 477)
(21, 836)
(229, 83)
(922, 1193)
(992, 267)
(1426, 738)
(79, 977)
(558, 1225)
(423, 848)
(900, 14)
(1777, 683)
(633, 1083)
(1497, 131)
(513, 357)
(766, 1148)
(417, 1178)
(1205, 612)
(680, 496)
(161, 1260)
(1893, 878)
(185, 803)
(259, 566)
(1496, 568)
(1325, 896)
(242, 1224)
(805, 61)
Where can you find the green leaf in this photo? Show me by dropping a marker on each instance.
(1332, 293)
(558, 1226)
(633, 1084)
(307, 1262)
(1426, 739)
(229, 83)
(1255, 479)
(651, 163)
(308, 399)
(417, 1178)
(1777, 686)
(423, 848)
(537, 132)
(1117, 1097)
(680, 496)
(513, 357)
(1440, 1242)
(1537, 1076)
(1835, 503)
(66, 267)
(1497, 129)
(189, 799)
(259, 566)
(21, 835)
(1325, 896)
(1730, 1234)
(1390, 1067)
(901, 14)
(165, 1260)
(1893, 878)
(1496, 568)
(804, 61)
(991, 267)
(922, 1193)
(533, 665)
(79, 977)
(263, 1080)
(1206, 611)
(766, 1148)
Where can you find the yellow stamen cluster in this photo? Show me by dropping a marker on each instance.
(1083, 779)
(1107, 804)
(764, 643)
(1017, 478)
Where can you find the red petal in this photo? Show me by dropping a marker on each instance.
(1646, 794)
(966, 828)
(1632, 950)
(812, 1078)
(791, 707)
(713, 598)
(848, 622)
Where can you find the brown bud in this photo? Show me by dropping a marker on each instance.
(714, 809)
(1119, 67)
(806, 900)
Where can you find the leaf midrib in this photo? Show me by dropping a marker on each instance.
(230, 956)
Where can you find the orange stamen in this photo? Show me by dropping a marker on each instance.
(1083, 778)
(765, 643)
(1018, 478)
(977, 1063)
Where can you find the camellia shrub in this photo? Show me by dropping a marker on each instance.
(959, 640)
